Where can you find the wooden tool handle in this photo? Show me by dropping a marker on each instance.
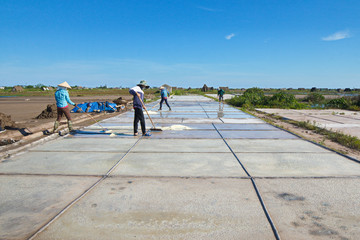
(145, 109)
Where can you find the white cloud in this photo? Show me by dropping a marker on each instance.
(337, 36)
(230, 36)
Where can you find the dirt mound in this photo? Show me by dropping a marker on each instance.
(5, 121)
(120, 101)
(49, 112)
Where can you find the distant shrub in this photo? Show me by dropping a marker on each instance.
(356, 101)
(342, 103)
(282, 100)
(252, 97)
(315, 98)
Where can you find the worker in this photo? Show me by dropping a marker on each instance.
(164, 95)
(221, 93)
(62, 99)
(138, 105)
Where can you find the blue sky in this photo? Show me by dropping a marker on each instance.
(240, 44)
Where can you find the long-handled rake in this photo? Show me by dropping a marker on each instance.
(105, 130)
(153, 128)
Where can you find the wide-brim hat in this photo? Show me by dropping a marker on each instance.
(65, 85)
(143, 83)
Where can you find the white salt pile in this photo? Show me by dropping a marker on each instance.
(176, 127)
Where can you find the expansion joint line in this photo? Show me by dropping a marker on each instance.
(276, 234)
(82, 195)
(204, 110)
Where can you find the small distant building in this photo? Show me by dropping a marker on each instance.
(45, 88)
(224, 88)
(301, 89)
(205, 88)
(17, 89)
(51, 88)
(168, 88)
(2, 87)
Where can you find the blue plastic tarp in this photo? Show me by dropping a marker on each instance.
(95, 107)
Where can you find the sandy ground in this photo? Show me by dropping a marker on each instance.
(25, 109)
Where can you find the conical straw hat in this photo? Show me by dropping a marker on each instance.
(64, 84)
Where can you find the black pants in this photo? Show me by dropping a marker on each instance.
(139, 116)
(161, 102)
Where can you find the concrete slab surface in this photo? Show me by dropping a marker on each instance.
(79, 163)
(274, 145)
(87, 145)
(313, 208)
(180, 165)
(101, 134)
(183, 182)
(202, 120)
(245, 126)
(244, 120)
(29, 202)
(180, 145)
(298, 164)
(186, 126)
(273, 134)
(230, 115)
(207, 134)
(149, 208)
(180, 116)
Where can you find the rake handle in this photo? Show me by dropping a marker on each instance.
(145, 109)
(91, 117)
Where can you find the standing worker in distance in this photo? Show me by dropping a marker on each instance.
(164, 96)
(221, 93)
(62, 99)
(138, 107)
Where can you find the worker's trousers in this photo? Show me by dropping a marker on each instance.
(139, 116)
(161, 102)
